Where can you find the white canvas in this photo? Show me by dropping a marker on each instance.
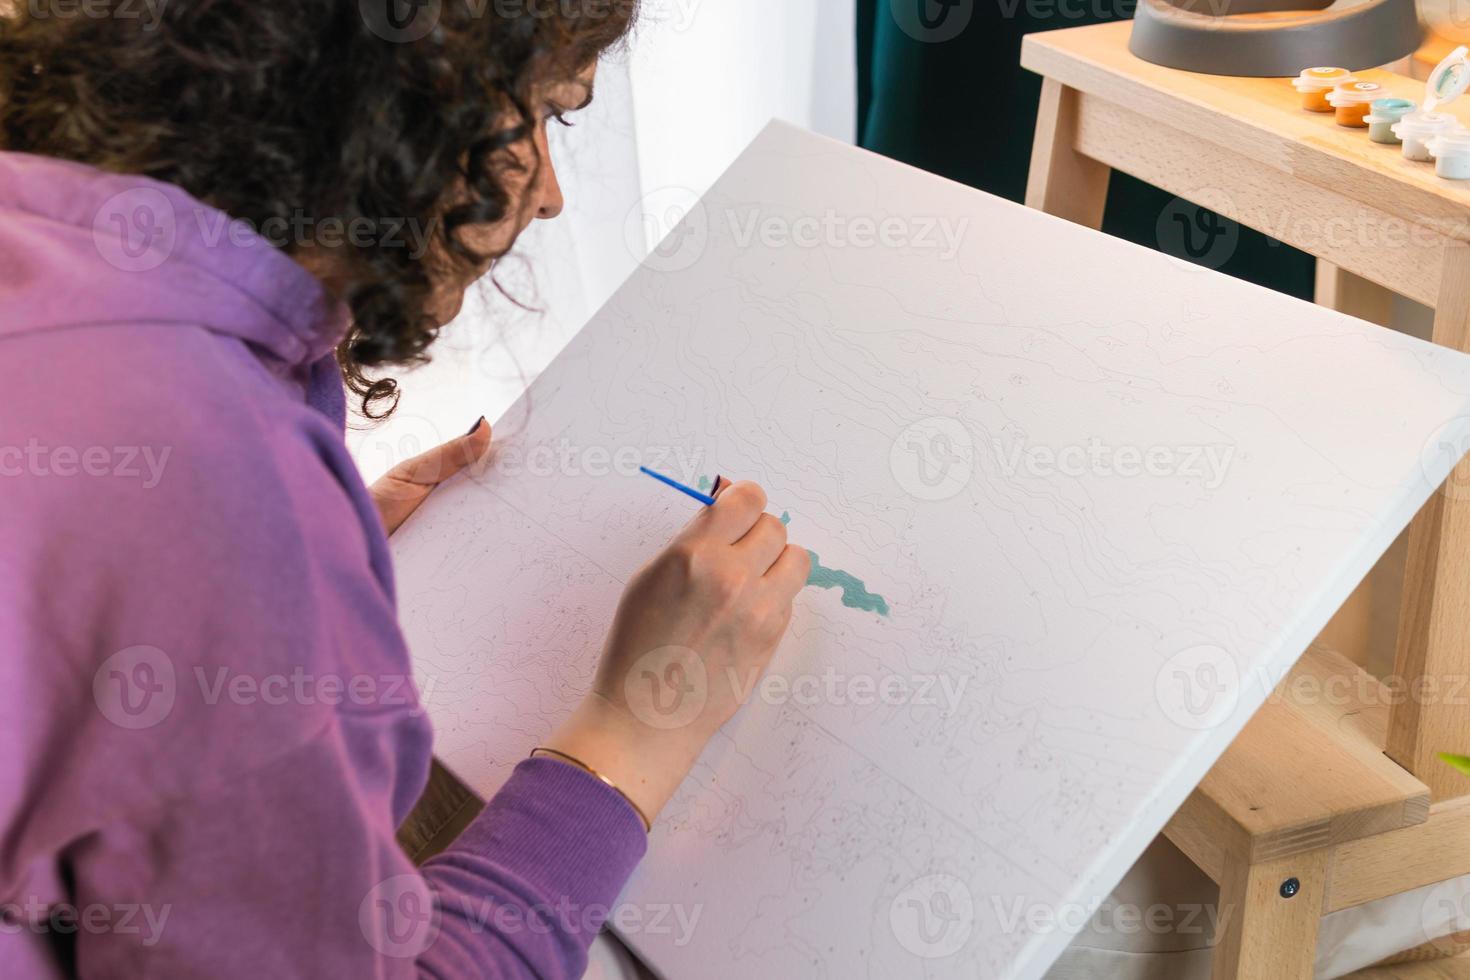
(1106, 497)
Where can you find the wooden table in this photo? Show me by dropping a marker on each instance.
(1306, 791)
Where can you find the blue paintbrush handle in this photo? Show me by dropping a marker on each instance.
(703, 498)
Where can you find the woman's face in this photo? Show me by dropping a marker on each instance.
(534, 190)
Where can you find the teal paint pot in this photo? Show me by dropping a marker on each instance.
(1384, 113)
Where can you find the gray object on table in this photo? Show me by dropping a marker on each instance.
(1208, 35)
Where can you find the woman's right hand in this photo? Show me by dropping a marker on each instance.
(693, 635)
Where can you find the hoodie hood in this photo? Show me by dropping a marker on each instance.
(136, 250)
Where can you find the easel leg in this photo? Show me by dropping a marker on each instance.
(1431, 714)
(1267, 928)
(1062, 181)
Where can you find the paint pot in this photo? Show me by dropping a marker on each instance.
(1315, 83)
(1418, 128)
(1451, 150)
(1352, 100)
(1385, 113)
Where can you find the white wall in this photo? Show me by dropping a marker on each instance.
(697, 81)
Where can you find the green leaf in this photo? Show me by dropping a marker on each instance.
(1460, 762)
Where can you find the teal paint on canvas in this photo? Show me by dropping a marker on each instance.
(855, 594)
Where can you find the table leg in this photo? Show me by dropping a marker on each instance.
(1363, 630)
(1345, 292)
(1432, 663)
(1062, 181)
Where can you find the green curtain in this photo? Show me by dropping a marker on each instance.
(941, 87)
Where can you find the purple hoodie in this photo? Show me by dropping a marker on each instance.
(212, 729)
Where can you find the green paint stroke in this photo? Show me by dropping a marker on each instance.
(704, 483)
(855, 594)
(786, 517)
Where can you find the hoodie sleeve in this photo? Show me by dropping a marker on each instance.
(283, 872)
(212, 722)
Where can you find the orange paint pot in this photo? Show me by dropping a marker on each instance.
(1352, 101)
(1314, 84)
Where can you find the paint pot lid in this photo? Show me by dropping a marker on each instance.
(1355, 93)
(1449, 78)
(1389, 110)
(1450, 143)
(1422, 125)
(1320, 79)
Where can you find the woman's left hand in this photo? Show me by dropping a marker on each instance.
(400, 491)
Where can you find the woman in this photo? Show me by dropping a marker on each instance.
(203, 678)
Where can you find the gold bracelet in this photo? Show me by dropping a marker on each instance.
(647, 824)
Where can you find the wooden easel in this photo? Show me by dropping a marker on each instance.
(1326, 800)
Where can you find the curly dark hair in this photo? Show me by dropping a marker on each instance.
(376, 111)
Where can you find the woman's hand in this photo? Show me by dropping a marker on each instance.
(694, 633)
(399, 493)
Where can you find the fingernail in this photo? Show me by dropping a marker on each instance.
(476, 427)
